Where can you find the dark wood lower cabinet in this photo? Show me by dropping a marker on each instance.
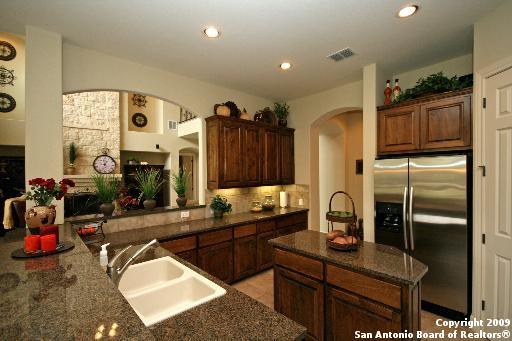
(265, 251)
(301, 299)
(217, 260)
(189, 256)
(245, 256)
(348, 313)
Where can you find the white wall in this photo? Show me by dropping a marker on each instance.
(492, 36)
(12, 124)
(459, 66)
(43, 116)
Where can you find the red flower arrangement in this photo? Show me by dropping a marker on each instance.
(128, 202)
(44, 191)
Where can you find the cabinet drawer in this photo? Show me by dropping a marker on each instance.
(245, 230)
(180, 245)
(266, 226)
(299, 218)
(372, 288)
(215, 237)
(301, 264)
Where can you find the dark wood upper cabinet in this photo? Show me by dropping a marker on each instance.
(252, 155)
(271, 157)
(301, 299)
(286, 159)
(446, 123)
(248, 154)
(437, 122)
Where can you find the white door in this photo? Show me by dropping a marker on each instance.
(497, 187)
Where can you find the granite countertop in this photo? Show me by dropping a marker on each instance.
(174, 230)
(69, 296)
(379, 260)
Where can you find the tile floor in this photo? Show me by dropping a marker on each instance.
(261, 288)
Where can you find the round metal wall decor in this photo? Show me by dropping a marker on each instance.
(139, 120)
(7, 51)
(6, 76)
(7, 102)
(139, 100)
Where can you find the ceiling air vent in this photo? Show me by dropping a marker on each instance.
(341, 54)
(173, 125)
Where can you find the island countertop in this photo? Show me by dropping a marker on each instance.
(69, 296)
(377, 260)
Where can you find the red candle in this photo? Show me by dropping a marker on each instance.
(50, 229)
(32, 243)
(48, 243)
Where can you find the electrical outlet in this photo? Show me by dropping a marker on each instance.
(185, 214)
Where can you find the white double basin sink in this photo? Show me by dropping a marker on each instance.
(163, 287)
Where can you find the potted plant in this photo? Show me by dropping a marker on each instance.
(282, 110)
(179, 184)
(149, 182)
(106, 191)
(72, 154)
(219, 206)
(43, 192)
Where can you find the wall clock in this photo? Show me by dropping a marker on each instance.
(104, 164)
(7, 51)
(139, 100)
(7, 102)
(6, 76)
(139, 120)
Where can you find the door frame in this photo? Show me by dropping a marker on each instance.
(480, 77)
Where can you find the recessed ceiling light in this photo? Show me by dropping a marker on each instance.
(285, 66)
(407, 11)
(212, 32)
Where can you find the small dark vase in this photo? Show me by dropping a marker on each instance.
(218, 213)
(149, 204)
(107, 208)
(181, 201)
(282, 122)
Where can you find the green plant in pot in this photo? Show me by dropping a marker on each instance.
(149, 182)
(282, 110)
(179, 184)
(72, 155)
(219, 206)
(106, 191)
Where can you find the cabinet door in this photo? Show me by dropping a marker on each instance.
(252, 155)
(270, 164)
(217, 260)
(399, 129)
(245, 256)
(189, 256)
(286, 158)
(300, 299)
(348, 313)
(230, 160)
(446, 123)
(212, 156)
(265, 250)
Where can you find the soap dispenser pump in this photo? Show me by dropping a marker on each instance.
(104, 255)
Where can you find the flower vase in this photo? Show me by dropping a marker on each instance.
(40, 216)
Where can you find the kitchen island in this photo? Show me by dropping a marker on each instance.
(68, 296)
(334, 293)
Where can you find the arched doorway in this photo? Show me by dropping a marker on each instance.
(336, 140)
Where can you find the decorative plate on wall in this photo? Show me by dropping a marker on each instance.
(7, 102)
(7, 51)
(139, 100)
(139, 120)
(6, 76)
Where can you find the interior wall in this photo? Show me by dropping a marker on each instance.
(153, 110)
(459, 66)
(12, 124)
(492, 41)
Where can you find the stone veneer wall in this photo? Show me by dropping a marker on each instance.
(91, 120)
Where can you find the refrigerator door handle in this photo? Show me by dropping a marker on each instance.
(411, 195)
(404, 218)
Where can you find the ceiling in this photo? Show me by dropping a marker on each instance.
(256, 36)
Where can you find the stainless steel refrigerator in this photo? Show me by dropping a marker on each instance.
(421, 207)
